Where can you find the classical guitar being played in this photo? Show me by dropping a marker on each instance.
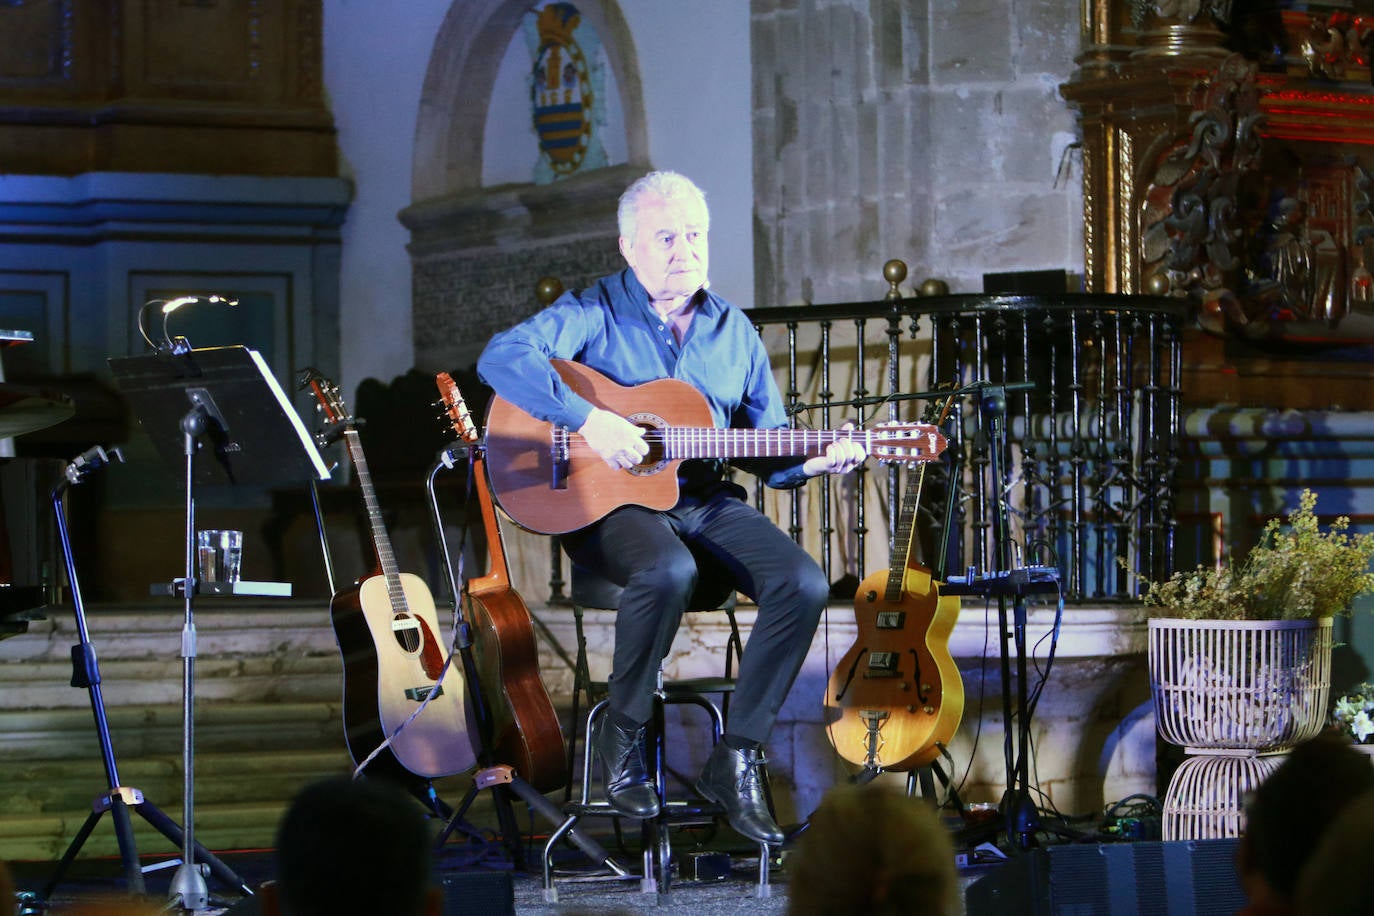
(525, 732)
(895, 698)
(548, 480)
(393, 658)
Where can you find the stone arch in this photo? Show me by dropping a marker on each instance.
(461, 76)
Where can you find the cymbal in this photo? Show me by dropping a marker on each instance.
(23, 410)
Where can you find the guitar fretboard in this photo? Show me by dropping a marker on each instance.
(710, 442)
(906, 536)
(380, 540)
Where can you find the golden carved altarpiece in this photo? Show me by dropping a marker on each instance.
(1227, 157)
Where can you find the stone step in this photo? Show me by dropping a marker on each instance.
(268, 720)
(38, 734)
(128, 682)
(239, 795)
(50, 785)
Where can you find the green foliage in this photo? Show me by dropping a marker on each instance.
(1295, 572)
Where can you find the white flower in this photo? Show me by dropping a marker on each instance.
(1362, 725)
(1354, 712)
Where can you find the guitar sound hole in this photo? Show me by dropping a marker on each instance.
(406, 629)
(653, 459)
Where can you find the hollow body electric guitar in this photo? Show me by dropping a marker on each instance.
(525, 733)
(549, 480)
(895, 698)
(393, 657)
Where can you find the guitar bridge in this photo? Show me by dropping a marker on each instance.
(420, 694)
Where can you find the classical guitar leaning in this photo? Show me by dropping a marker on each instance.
(548, 480)
(393, 657)
(525, 733)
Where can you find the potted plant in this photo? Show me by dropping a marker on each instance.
(1240, 661)
(1240, 654)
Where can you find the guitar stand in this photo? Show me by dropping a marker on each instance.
(120, 799)
(501, 779)
(923, 777)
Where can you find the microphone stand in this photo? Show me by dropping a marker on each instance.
(1020, 812)
(1009, 586)
(189, 889)
(120, 799)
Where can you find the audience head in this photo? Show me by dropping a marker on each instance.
(355, 847)
(875, 850)
(1332, 881)
(1290, 811)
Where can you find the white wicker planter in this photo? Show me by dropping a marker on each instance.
(1259, 685)
(1206, 797)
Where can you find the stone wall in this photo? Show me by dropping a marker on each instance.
(928, 132)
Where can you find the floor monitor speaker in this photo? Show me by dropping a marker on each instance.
(1180, 878)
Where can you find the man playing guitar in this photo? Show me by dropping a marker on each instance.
(654, 320)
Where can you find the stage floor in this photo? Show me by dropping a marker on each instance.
(474, 879)
(479, 878)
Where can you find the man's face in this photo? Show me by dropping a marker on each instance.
(668, 253)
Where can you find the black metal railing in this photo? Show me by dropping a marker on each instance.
(1085, 386)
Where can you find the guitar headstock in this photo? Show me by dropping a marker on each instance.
(916, 443)
(455, 408)
(907, 442)
(329, 402)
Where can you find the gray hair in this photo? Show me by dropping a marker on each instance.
(667, 185)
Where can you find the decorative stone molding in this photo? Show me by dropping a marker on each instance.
(478, 255)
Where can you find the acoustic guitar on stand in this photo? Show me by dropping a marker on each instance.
(393, 658)
(895, 698)
(547, 479)
(526, 734)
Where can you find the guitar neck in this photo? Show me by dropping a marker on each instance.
(381, 541)
(905, 541)
(711, 442)
(498, 572)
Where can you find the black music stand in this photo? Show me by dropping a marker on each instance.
(223, 401)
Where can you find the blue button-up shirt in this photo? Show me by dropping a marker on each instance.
(612, 328)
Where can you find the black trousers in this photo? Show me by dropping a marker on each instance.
(648, 553)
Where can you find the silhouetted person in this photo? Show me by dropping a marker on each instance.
(872, 849)
(354, 848)
(1333, 882)
(1288, 814)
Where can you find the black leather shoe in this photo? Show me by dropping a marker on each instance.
(734, 780)
(628, 786)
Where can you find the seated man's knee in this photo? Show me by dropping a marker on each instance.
(812, 591)
(672, 577)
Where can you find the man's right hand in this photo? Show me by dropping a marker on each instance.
(618, 441)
